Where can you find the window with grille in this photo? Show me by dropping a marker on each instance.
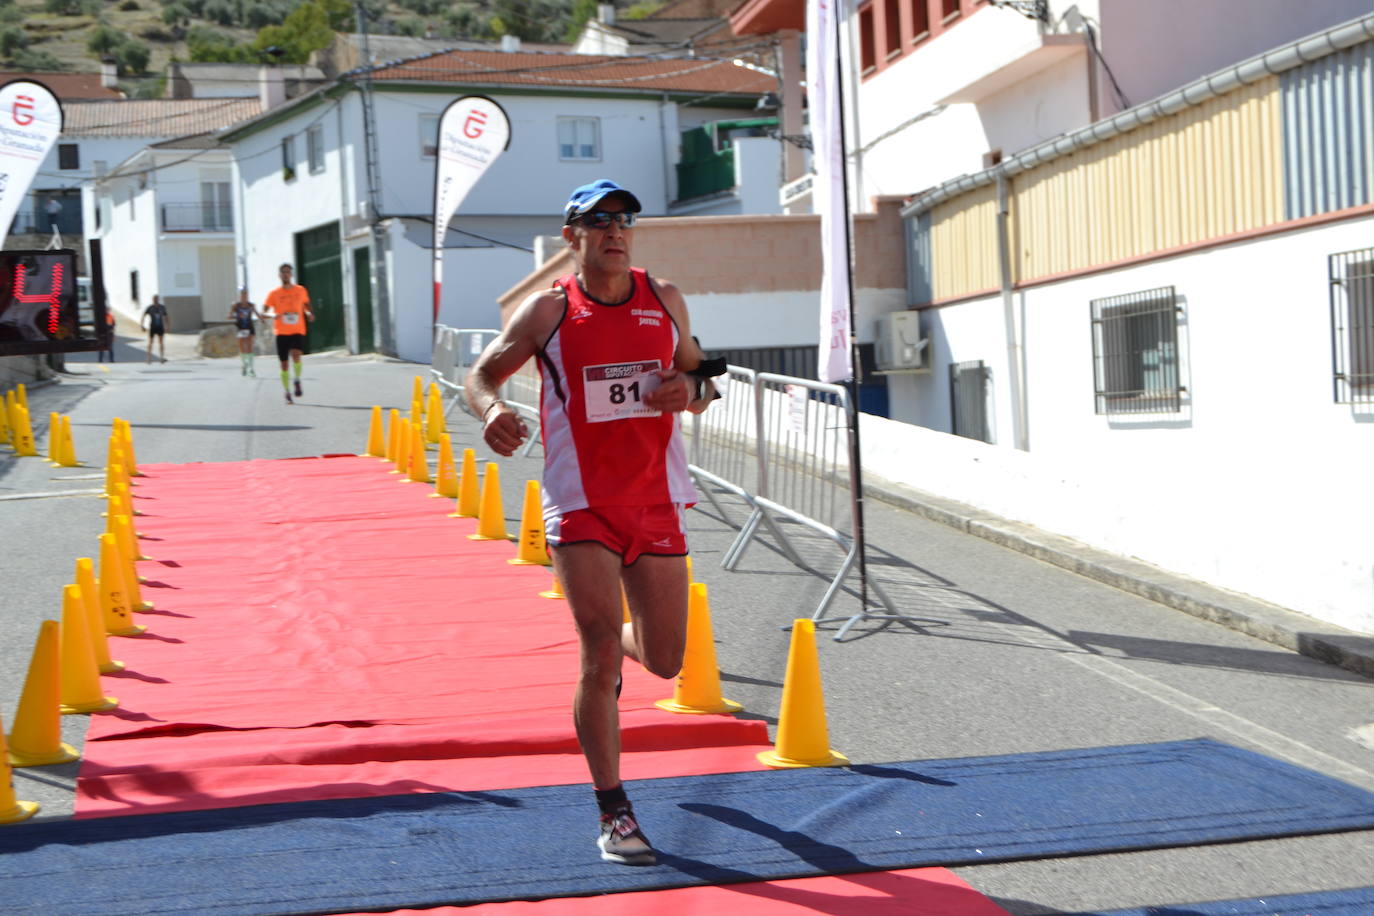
(1135, 353)
(579, 138)
(1352, 325)
(68, 156)
(429, 136)
(288, 158)
(968, 396)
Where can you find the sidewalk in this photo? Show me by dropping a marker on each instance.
(1251, 616)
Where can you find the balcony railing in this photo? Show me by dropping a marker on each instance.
(197, 218)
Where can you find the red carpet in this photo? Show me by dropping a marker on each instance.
(322, 630)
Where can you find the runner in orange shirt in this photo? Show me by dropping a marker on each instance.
(289, 304)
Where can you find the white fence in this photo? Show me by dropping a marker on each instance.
(456, 349)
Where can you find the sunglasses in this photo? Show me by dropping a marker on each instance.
(602, 219)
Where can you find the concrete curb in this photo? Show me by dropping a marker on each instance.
(1269, 622)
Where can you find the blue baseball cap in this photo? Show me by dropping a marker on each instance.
(588, 196)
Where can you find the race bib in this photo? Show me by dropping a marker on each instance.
(243, 332)
(616, 391)
(290, 317)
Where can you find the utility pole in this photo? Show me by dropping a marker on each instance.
(381, 296)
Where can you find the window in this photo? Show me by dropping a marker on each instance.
(133, 286)
(1351, 276)
(314, 148)
(68, 156)
(429, 136)
(216, 210)
(968, 400)
(920, 19)
(892, 28)
(579, 138)
(868, 55)
(949, 8)
(1135, 353)
(288, 158)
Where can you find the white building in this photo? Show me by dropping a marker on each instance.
(144, 198)
(304, 193)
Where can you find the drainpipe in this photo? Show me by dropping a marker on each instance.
(1015, 357)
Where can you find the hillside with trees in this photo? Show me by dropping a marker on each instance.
(143, 36)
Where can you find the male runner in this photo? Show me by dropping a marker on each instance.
(158, 323)
(289, 304)
(615, 352)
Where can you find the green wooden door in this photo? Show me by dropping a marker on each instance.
(362, 295)
(319, 268)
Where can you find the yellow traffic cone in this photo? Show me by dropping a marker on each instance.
(80, 679)
(123, 535)
(419, 461)
(434, 415)
(114, 591)
(128, 542)
(36, 739)
(54, 439)
(803, 739)
(126, 443)
(69, 459)
(24, 440)
(533, 551)
(115, 472)
(7, 407)
(698, 683)
(469, 503)
(417, 410)
(402, 448)
(624, 605)
(12, 810)
(491, 521)
(21, 395)
(555, 590)
(446, 475)
(376, 444)
(95, 619)
(393, 435)
(417, 392)
(6, 437)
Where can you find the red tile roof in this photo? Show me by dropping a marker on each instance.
(67, 85)
(583, 71)
(154, 117)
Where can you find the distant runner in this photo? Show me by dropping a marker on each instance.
(244, 314)
(289, 304)
(158, 323)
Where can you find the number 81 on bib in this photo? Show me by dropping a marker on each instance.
(616, 391)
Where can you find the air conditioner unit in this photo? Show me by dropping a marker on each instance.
(900, 346)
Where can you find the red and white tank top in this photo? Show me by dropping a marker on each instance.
(602, 446)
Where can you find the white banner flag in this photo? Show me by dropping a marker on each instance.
(473, 131)
(30, 120)
(827, 194)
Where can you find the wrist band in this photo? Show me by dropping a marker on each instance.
(490, 406)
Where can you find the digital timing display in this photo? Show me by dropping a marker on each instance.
(38, 304)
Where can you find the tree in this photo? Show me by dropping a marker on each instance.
(34, 61)
(132, 56)
(103, 40)
(12, 39)
(305, 30)
(580, 12)
(176, 13)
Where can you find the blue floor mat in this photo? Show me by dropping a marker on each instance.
(1354, 901)
(469, 847)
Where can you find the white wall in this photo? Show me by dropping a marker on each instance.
(779, 319)
(129, 243)
(1158, 46)
(1259, 486)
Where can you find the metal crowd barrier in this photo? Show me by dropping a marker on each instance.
(798, 435)
(456, 349)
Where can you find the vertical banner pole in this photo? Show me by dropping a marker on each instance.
(473, 132)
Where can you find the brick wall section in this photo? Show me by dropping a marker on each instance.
(744, 254)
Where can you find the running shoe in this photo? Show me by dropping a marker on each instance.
(622, 841)
(298, 387)
(288, 398)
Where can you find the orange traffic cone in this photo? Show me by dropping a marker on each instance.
(803, 739)
(555, 590)
(491, 521)
(376, 444)
(114, 592)
(469, 503)
(698, 683)
(12, 810)
(533, 551)
(418, 472)
(95, 618)
(36, 739)
(446, 476)
(80, 679)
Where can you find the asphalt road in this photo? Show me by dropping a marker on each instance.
(1010, 655)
